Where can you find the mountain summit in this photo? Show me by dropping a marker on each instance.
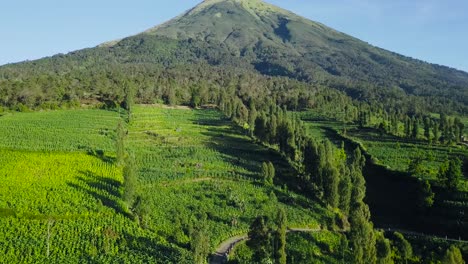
(255, 36)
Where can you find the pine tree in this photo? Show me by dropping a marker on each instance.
(345, 190)
(362, 235)
(252, 117)
(260, 240)
(384, 249)
(427, 128)
(405, 251)
(280, 250)
(199, 242)
(425, 195)
(453, 255)
(130, 179)
(119, 143)
(265, 172)
(271, 172)
(415, 128)
(260, 128)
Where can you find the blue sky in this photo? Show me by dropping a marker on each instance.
(432, 30)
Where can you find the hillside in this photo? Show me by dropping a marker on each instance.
(241, 38)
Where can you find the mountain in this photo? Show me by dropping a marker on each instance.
(259, 38)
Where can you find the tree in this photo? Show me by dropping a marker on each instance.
(450, 173)
(260, 239)
(427, 128)
(195, 99)
(415, 129)
(280, 237)
(453, 256)
(265, 172)
(142, 209)
(436, 131)
(362, 236)
(331, 183)
(407, 127)
(130, 179)
(415, 167)
(345, 189)
(260, 128)
(425, 195)
(405, 251)
(119, 143)
(271, 172)
(384, 249)
(200, 245)
(252, 117)
(129, 97)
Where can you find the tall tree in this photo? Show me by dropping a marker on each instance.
(130, 179)
(265, 172)
(405, 251)
(252, 117)
(450, 173)
(362, 235)
(200, 245)
(129, 90)
(280, 237)
(271, 172)
(384, 249)
(119, 143)
(260, 240)
(427, 128)
(453, 255)
(425, 195)
(415, 128)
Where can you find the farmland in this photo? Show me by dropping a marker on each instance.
(61, 189)
(194, 163)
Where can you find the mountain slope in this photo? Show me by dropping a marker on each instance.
(258, 37)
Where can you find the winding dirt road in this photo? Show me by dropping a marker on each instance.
(223, 250)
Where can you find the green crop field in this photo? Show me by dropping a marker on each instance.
(61, 189)
(67, 130)
(193, 162)
(396, 153)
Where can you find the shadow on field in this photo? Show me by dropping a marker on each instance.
(225, 138)
(102, 156)
(106, 190)
(151, 247)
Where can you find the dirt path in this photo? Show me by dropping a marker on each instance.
(223, 250)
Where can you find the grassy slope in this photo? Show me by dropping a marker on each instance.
(192, 164)
(195, 163)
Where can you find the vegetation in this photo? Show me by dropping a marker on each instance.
(274, 123)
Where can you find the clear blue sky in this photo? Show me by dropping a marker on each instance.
(432, 30)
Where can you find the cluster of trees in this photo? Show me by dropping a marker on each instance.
(268, 172)
(328, 173)
(267, 239)
(445, 129)
(450, 173)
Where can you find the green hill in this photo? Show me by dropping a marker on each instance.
(232, 37)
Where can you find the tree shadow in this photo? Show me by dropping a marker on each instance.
(102, 156)
(226, 139)
(103, 189)
(148, 246)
